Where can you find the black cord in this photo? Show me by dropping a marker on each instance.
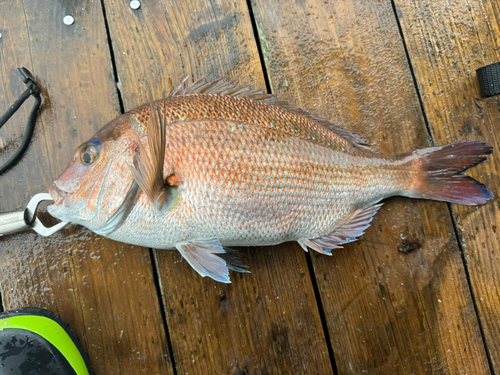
(33, 90)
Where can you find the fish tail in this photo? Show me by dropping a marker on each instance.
(442, 179)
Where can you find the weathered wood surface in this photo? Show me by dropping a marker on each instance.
(265, 322)
(447, 41)
(398, 300)
(103, 289)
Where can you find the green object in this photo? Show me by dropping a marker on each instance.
(37, 341)
(51, 331)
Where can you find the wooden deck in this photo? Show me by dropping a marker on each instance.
(418, 294)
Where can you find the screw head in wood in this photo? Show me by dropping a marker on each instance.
(135, 4)
(69, 20)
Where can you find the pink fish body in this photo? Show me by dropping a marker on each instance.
(217, 165)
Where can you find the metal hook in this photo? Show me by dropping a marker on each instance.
(21, 220)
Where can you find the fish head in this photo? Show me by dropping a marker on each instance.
(96, 181)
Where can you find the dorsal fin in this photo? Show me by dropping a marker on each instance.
(225, 86)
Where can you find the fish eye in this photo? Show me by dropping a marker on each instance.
(89, 154)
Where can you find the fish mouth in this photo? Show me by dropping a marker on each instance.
(58, 195)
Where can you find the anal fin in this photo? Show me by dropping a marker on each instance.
(348, 232)
(209, 258)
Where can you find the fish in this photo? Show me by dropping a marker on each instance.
(216, 165)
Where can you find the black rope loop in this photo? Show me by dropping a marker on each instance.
(32, 90)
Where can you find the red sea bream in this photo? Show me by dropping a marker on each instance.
(216, 165)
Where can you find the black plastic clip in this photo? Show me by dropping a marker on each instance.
(489, 79)
(32, 90)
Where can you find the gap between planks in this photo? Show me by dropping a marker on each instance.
(311, 271)
(317, 295)
(453, 221)
(163, 310)
(154, 266)
(112, 58)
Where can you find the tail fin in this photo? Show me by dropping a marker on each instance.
(445, 181)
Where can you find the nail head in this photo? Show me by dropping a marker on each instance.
(135, 4)
(69, 20)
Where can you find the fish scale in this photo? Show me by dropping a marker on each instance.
(259, 206)
(226, 165)
(220, 107)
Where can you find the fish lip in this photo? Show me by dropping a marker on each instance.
(58, 195)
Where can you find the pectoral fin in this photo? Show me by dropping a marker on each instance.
(348, 232)
(148, 171)
(206, 257)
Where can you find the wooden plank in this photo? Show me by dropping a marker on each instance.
(265, 322)
(447, 41)
(387, 311)
(103, 289)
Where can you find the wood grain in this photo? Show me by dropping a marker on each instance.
(398, 300)
(78, 275)
(265, 322)
(395, 302)
(447, 41)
